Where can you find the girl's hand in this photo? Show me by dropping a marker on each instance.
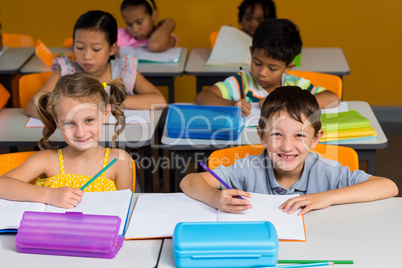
(306, 203)
(244, 105)
(65, 197)
(227, 200)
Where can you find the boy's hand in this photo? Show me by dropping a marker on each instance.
(65, 197)
(227, 200)
(244, 105)
(306, 203)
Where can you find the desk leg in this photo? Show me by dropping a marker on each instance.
(6, 81)
(368, 156)
(164, 81)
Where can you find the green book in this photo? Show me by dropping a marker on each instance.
(345, 120)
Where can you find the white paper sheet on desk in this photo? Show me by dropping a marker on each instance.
(254, 116)
(171, 55)
(133, 117)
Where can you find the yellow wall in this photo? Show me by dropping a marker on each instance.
(369, 32)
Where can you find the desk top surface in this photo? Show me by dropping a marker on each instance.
(35, 65)
(324, 60)
(14, 133)
(14, 58)
(367, 233)
(250, 136)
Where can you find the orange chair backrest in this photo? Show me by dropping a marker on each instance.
(68, 42)
(329, 81)
(226, 157)
(13, 160)
(212, 38)
(4, 96)
(29, 84)
(17, 40)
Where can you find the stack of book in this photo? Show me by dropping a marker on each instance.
(346, 126)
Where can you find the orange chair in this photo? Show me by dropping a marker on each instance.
(212, 38)
(329, 81)
(13, 160)
(18, 40)
(4, 96)
(30, 84)
(226, 157)
(68, 42)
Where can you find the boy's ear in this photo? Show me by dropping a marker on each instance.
(260, 133)
(108, 111)
(154, 16)
(317, 138)
(289, 67)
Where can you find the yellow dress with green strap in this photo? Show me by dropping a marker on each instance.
(101, 184)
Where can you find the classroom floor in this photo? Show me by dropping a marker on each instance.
(388, 162)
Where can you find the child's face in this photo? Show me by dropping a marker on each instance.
(267, 71)
(140, 24)
(92, 51)
(253, 16)
(80, 123)
(288, 142)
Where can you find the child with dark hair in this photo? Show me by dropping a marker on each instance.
(289, 127)
(95, 36)
(140, 17)
(276, 43)
(253, 12)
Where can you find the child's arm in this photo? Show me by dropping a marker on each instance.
(124, 169)
(147, 96)
(160, 39)
(14, 185)
(374, 188)
(327, 99)
(213, 96)
(30, 109)
(205, 188)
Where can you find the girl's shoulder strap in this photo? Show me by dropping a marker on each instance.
(61, 160)
(126, 68)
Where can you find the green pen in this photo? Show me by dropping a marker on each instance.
(99, 173)
(315, 261)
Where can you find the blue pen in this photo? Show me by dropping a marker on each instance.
(217, 177)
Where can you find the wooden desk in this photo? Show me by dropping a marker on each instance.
(323, 60)
(159, 74)
(10, 64)
(367, 233)
(134, 138)
(199, 149)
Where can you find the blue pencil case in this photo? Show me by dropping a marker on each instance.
(225, 244)
(204, 122)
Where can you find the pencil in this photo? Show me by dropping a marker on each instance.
(98, 174)
(306, 265)
(217, 177)
(242, 83)
(315, 261)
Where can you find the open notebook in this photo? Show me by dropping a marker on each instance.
(133, 117)
(114, 203)
(156, 215)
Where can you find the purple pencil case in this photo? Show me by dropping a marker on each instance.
(69, 234)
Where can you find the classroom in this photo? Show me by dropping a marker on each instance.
(355, 41)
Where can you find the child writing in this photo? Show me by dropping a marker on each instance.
(95, 36)
(276, 43)
(140, 17)
(253, 12)
(79, 107)
(289, 127)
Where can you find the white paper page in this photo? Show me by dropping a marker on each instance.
(171, 55)
(266, 208)
(113, 203)
(342, 107)
(156, 215)
(34, 122)
(11, 212)
(254, 116)
(133, 117)
(232, 48)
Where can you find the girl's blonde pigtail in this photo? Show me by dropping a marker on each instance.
(117, 95)
(42, 105)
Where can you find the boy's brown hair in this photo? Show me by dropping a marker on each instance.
(295, 101)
